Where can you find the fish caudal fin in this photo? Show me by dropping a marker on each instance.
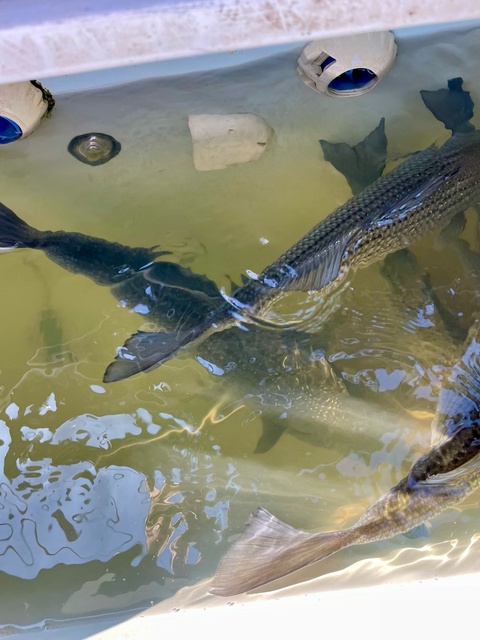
(361, 164)
(269, 549)
(452, 106)
(14, 232)
(146, 350)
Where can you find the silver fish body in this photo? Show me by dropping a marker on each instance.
(419, 195)
(423, 193)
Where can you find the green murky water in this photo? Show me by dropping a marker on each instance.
(115, 497)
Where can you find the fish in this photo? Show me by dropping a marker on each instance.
(299, 392)
(163, 289)
(296, 390)
(284, 378)
(269, 549)
(421, 194)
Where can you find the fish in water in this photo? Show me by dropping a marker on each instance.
(269, 549)
(294, 390)
(423, 193)
(309, 401)
(304, 397)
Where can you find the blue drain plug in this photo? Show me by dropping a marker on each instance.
(347, 66)
(23, 105)
(9, 130)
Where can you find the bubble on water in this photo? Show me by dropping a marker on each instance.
(162, 386)
(96, 388)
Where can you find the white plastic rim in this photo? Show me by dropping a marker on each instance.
(22, 106)
(348, 66)
(52, 38)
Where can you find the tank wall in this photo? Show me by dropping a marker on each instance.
(51, 38)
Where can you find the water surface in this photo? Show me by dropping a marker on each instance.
(115, 497)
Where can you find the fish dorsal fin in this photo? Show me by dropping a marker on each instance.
(312, 371)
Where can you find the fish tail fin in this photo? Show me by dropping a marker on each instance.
(146, 350)
(362, 163)
(269, 549)
(14, 232)
(452, 106)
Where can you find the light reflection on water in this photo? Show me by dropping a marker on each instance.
(142, 484)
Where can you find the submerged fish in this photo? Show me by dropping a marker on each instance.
(421, 194)
(269, 549)
(295, 389)
(287, 380)
(305, 396)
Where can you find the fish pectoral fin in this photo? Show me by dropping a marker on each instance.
(412, 200)
(420, 531)
(269, 549)
(315, 272)
(362, 163)
(146, 350)
(272, 431)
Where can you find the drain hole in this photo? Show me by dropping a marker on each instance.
(352, 80)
